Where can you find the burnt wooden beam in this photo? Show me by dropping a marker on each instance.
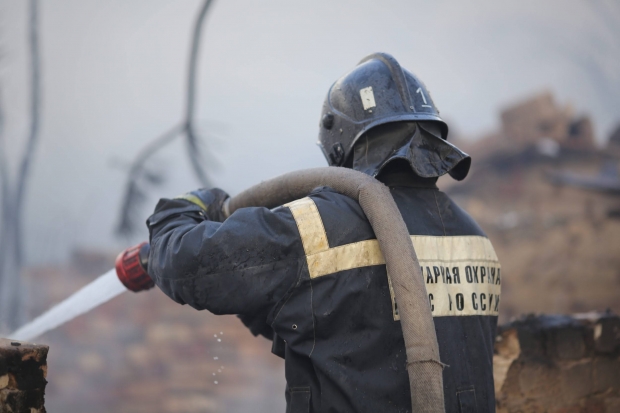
(23, 369)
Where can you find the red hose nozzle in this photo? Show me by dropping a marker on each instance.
(131, 266)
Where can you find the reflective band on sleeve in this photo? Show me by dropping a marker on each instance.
(193, 199)
(462, 273)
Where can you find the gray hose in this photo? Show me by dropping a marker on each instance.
(423, 364)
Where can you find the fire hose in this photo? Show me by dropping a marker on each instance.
(423, 363)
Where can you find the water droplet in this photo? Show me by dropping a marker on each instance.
(222, 367)
(214, 374)
(215, 358)
(219, 340)
(214, 335)
(221, 333)
(215, 382)
(218, 370)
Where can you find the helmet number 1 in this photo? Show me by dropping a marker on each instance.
(421, 92)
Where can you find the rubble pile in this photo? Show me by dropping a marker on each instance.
(23, 368)
(544, 194)
(558, 364)
(541, 118)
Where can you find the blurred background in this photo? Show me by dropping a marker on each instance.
(94, 130)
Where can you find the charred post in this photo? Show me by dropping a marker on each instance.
(23, 368)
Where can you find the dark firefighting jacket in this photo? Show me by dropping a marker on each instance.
(311, 274)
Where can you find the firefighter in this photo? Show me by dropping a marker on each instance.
(336, 322)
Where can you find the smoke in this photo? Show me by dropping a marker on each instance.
(114, 76)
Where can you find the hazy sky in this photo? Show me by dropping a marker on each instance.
(114, 74)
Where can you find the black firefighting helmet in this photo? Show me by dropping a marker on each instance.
(377, 92)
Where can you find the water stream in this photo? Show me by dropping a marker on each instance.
(103, 289)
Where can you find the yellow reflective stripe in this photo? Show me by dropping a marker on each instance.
(193, 199)
(473, 249)
(457, 248)
(345, 257)
(462, 273)
(310, 225)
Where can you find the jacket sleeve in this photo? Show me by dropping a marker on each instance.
(244, 265)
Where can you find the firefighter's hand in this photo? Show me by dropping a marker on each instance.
(209, 200)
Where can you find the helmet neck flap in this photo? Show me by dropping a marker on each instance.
(418, 143)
